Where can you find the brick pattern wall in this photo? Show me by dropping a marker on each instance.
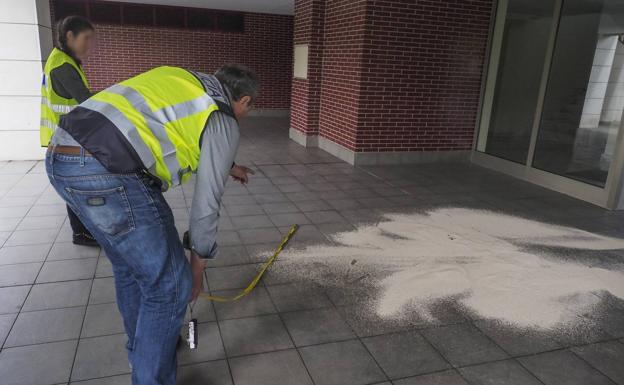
(397, 75)
(345, 22)
(420, 87)
(306, 93)
(266, 47)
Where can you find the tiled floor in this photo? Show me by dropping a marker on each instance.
(59, 324)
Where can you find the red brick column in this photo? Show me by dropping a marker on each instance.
(400, 80)
(306, 93)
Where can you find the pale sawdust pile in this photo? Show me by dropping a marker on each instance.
(477, 256)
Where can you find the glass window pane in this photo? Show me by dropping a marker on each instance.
(585, 93)
(523, 50)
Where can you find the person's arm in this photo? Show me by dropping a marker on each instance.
(218, 149)
(67, 82)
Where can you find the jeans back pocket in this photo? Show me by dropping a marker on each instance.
(109, 210)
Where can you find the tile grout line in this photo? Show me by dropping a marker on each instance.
(71, 371)
(292, 340)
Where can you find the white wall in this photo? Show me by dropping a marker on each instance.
(25, 42)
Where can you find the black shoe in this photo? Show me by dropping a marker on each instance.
(84, 240)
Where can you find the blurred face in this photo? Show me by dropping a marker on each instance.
(242, 107)
(81, 43)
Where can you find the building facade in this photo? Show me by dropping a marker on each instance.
(532, 88)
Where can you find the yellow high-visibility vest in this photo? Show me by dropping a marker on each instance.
(162, 113)
(52, 104)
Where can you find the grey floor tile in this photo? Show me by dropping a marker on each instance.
(31, 237)
(607, 357)
(260, 252)
(103, 291)
(274, 368)
(518, 341)
(45, 222)
(203, 311)
(6, 322)
(563, 367)
(46, 326)
(265, 235)
(230, 255)
(306, 233)
(239, 210)
(367, 323)
(292, 188)
(405, 354)
(449, 377)
(279, 208)
(24, 254)
(507, 372)
(290, 297)
(301, 196)
(333, 229)
(228, 238)
(344, 204)
(12, 298)
(463, 344)
(320, 217)
(104, 268)
(254, 335)
(102, 319)
(255, 303)
(9, 224)
(309, 327)
(67, 270)
(124, 379)
(209, 346)
(315, 205)
(341, 363)
(67, 250)
(251, 222)
(209, 373)
(289, 219)
(282, 180)
(230, 277)
(22, 274)
(276, 197)
(47, 210)
(101, 357)
(14, 211)
(53, 364)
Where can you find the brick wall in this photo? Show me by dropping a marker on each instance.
(306, 93)
(398, 75)
(345, 22)
(420, 86)
(265, 46)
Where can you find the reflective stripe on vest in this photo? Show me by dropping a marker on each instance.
(162, 114)
(52, 104)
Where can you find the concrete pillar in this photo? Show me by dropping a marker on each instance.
(25, 27)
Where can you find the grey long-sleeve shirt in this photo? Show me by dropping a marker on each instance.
(219, 146)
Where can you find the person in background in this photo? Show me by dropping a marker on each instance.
(64, 86)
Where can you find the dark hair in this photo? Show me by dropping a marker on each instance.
(239, 80)
(74, 24)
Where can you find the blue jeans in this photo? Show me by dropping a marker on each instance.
(133, 223)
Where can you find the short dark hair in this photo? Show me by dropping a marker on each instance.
(239, 80)
(74, 24)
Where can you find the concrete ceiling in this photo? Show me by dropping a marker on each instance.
(281, 7)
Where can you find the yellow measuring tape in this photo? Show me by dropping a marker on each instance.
(254, 282)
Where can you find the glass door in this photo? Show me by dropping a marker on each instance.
(585, 94)
(554, 95)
